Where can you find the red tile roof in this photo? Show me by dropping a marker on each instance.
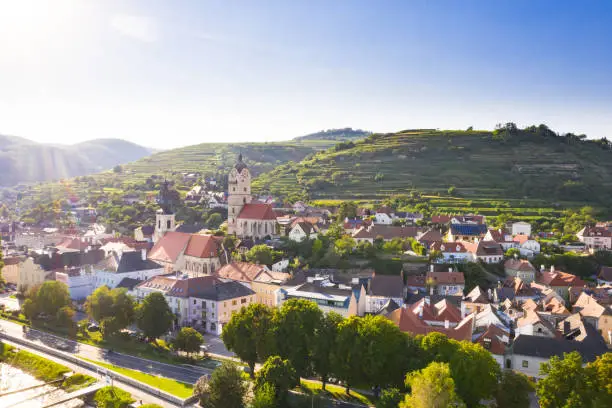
(491, 340)
(410, 323)
(522, 265)
(521, 238)
(203, 246)
(449, 247)
(239, 271)
(257, 212)
(73, 243)
(559, 278)
(444, 278)
(387, 232)
(169, 247)
(441, 219)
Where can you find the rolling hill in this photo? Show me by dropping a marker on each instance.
(23, 160)
(336, 134)
(532, 163)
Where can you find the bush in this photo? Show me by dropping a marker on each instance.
(77, 381)
(112, 397)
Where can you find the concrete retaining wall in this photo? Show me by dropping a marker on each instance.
(93, 367)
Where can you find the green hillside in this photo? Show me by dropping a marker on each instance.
(336, 134)
(533, 163)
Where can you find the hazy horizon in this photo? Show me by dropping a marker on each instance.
(166, 75)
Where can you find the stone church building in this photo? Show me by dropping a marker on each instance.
(246, 218)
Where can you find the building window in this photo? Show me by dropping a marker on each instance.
(245, 189)
(159, 224)
(234, 302)
(243, 300)
(168, 224)
(233, 188)
(525, 363)
(194, 301)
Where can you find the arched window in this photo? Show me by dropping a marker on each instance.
(159, 224)
(168, 223)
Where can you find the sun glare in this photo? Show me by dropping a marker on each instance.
(32, 23)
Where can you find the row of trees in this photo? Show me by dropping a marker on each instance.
(113, 309)
(366, 351)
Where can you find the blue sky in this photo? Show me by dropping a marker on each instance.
(173, 73)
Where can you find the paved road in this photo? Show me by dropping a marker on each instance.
(8, 302)
(215, 346)
(187, 374)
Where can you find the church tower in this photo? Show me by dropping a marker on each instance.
(239, 193)
(164, 217)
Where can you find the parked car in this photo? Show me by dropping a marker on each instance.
(93, 327)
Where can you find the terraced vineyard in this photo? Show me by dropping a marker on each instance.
(535, 170)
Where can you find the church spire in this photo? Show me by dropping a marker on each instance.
(240, 164)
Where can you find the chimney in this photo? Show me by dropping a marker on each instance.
(542, 268)
(450, 269)
(431, 291)
(552, 268)
(446, 324)
(431, 268)
(143, 253)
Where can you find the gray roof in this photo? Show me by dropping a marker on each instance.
(132, 261)
(326, 290)
(388, 307)
(224, 291)
(128, 283)
(546, 347)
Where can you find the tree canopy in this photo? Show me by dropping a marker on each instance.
(431, 387)
(225, 388)
(188, 340)
(153, 315)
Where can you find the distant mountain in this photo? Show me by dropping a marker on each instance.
(336, 134)
(22, 160)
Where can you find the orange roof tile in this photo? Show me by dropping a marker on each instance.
(239, 271)
(257, 212)
(203, 246)
(169, 247)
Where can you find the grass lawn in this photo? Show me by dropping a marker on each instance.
(180, 389)
(333, 391)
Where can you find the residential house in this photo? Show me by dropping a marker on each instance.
(559, 281)
(206, 302)
(299, 207)
(351, 225)
(597, 315)
(495, 339)
(466, 232)
(144, 233)
(10, 271)
(346, 300)
(302, 231)
(528, 352)
(527, 246)
(474, 302)
(452, 252)
(117, 266)
(385, 232)
(30, 275)
(521, 228)
(520, 268)
(534, 324)
(243, 272)
(499, 236)
(383, 288)
(81, 282)
(485, 251)
(423, 318)
(446, 283)
(281, 266)
(267, 286)
(409, 217)
(429, 237)
(596, 238)
(384, 215)
(468, 219)
(441, 219)
(605, 276)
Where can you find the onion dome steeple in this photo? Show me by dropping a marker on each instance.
(240, 165)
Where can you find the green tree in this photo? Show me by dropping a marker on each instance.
(29, 308)
(432, 387)
(118, 169)
(153, 316)
(249, 334)
(513, 390)
(214, 220)
(347, 209)
(435, 255)
(381, 342)
(295, 326)
(224, 389)
(188, 340)
(452, 191)
(344, 246)
(51, 297)
(347, 354)
(567, 383)
(261, 254)
(475, 372)
(280, 374)
(512, 252)
(64, 317)
(113, 309)
(325, 340)
(264, 397)
(112, 397)
(389, 398)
